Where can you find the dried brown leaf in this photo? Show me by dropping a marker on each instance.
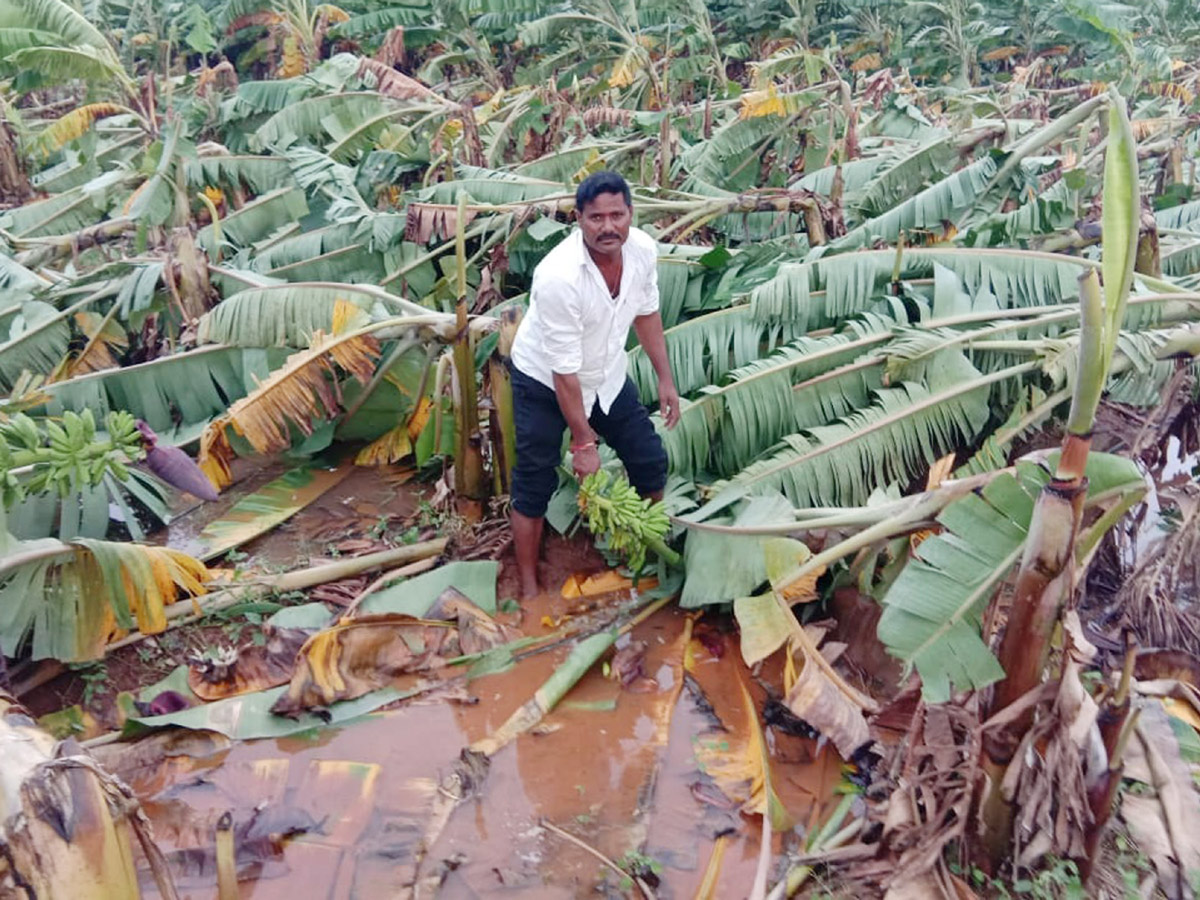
(1177, 799)
(477, 631)
(356, 657)
(253, 667)
(816, 699)
(396, 84)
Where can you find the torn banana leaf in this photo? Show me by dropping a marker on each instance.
(815, 691)
(366, 653)
(819, 696)
(264, 509)
(73, 598)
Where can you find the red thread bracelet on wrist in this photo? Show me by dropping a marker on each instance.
(575, 448)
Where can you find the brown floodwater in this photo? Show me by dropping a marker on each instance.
(612, 766)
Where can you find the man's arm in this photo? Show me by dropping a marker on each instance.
(562, 340)
(584, 455)
(650, 333)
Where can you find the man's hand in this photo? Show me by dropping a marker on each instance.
(585, 460)
(668, 402)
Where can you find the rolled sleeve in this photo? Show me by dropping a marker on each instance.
(562, 326)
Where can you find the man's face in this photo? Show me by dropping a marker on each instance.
(605, 222)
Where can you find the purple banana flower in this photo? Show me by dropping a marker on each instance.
(174, 466)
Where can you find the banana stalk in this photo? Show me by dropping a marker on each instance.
(1045, 579)
(503, 430)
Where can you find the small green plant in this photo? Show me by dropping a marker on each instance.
(146, 653)
(509, 605)
(1057, 880)
(428, 515)
(95, 681)
(639, 865)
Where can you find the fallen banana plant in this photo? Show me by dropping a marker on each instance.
(69, 600)
(67, 827)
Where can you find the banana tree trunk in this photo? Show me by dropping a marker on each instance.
(502, 428)
(1116, 722)
(67, 828)
(14, 180)
(1046, 576)
(469, 480)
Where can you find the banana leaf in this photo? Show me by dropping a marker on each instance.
(931, 616)
(188, 388)
(67, 599)
(259, 512)
(906, 427)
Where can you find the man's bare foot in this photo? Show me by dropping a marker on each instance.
(529, 589)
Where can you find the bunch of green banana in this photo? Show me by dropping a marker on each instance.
(65, 455)
(631, 524)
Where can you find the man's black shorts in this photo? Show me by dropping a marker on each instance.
(540, 425)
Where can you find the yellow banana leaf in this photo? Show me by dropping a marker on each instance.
(73, 598)
(303, 388)
(740, 764)
(74, 124)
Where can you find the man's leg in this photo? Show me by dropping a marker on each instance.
(527, 542)
(539, 425)
(627, 428)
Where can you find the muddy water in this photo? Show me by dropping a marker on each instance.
(612, 766)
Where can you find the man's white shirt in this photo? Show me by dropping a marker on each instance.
(574, 326)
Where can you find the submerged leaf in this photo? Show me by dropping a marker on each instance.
(740, 763)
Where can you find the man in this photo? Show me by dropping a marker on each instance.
(569, 364)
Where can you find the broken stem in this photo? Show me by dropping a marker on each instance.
(227, 888)
(414, 568)
(759, 889)
(288, 581)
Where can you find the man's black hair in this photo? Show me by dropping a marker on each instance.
(598, 183)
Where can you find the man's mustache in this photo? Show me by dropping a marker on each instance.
(605, 237)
